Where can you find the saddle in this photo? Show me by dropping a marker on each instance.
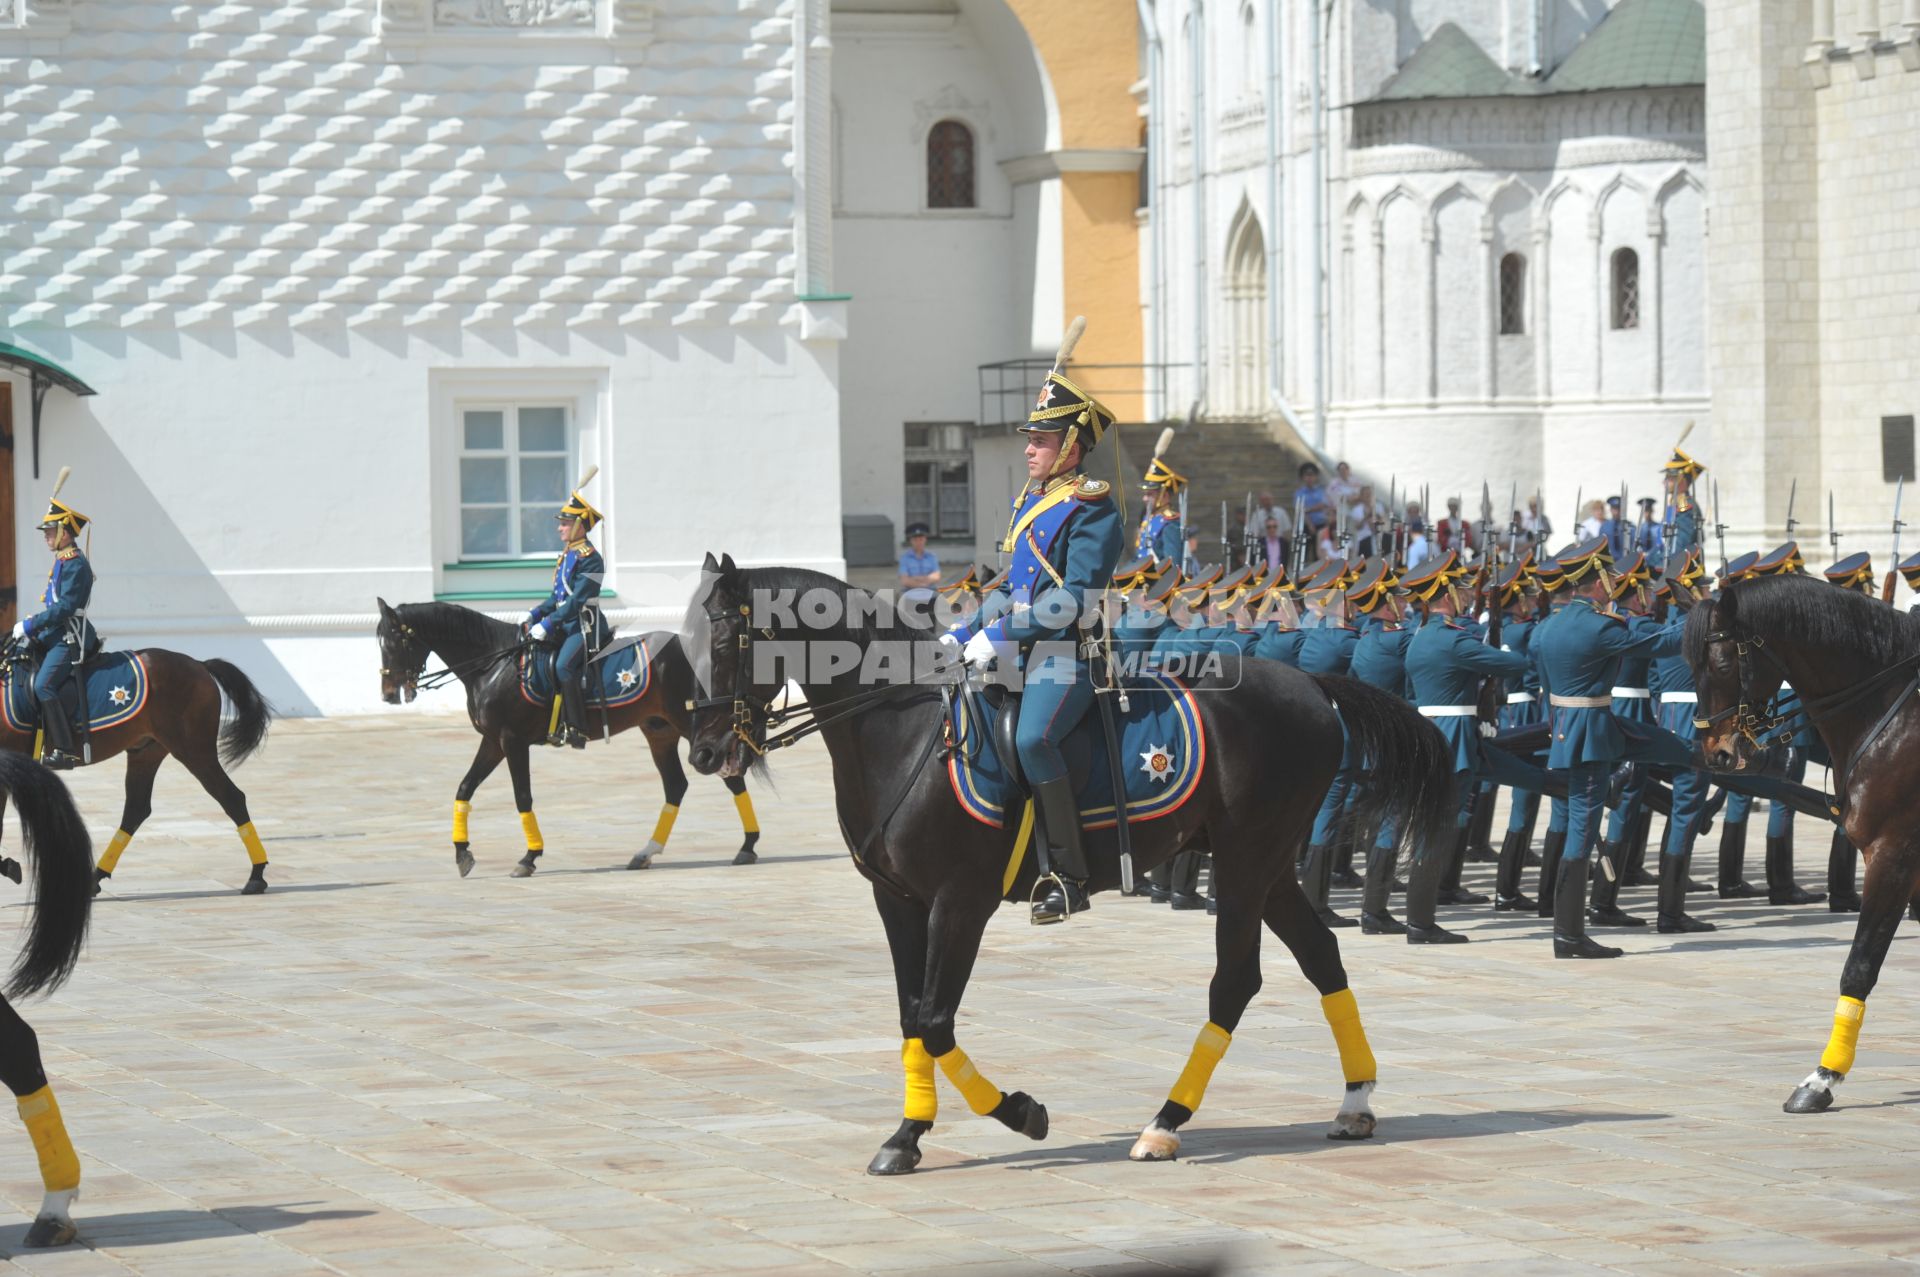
(108, 689)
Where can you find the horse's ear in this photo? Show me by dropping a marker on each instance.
(726, 565)
(385, 609)
(711, 565)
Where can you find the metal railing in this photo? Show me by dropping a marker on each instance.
(1134, 392)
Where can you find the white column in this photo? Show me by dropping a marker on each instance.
(1431, 261)
(1603, 296)
(1869, 22)
(813, 149)
(1822, 24)
(1652, 303)
(1540, 311)
(1489, 307)
(1379, 310)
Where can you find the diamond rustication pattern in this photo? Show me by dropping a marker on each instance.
(175, 166)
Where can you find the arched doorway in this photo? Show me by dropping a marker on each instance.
(1246, 318)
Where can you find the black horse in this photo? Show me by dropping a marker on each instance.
(485, 655)
(57, 847)
(1856, 664)
(1274, 743)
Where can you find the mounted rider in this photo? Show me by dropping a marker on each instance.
(1681, 530)
(60, 633)
(1065, 538)
(1161, 536)
(569, 617)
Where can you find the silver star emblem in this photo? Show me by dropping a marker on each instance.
(626, 678)
(1157, 762)
(120, 696)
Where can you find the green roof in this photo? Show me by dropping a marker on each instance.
(28, 362)
(1451, 65)
(1642, 44)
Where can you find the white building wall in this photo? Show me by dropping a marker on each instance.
(272, 235)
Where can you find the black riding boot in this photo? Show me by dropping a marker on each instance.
(1673, 915)
(1423, 892)
(1480, 827)
(1733, 861)
(1343, 875)
(573, 716)
(1550, 848)
(1638, 831)
(59, 753)
(1183, 884)
(1606, 911)
(1842, 895)
(1060, 823)
(1781, 888)
(1159, 882)
(1375, 919)
(1451, 892)
(1570, 916)
(1506, 881)
(1528, 856)
(1316, 880)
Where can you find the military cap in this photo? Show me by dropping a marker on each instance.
(1427, 580)
(1780, 560)
(999, 579)
(1328, 574)
(968, 582)
(1853, 571)
(1689, 571)
(1584, 558)
(1232, 586)
(1374, 586)
(1131, 576)
(1162, 591)
(1275, 584)
(577, 507)
(1742, 566)
(1193, 589)
(1910, 569)
(1683, 465)
(1064, 406)
(60, 514)
(1635, 571)
(1513, 580)
(1161, 475)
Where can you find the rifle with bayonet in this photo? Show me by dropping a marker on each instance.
(1719, 528)
(1893, 566)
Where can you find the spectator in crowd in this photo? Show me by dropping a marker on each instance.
(1593, 520)
(1273, 544)
(1341, 488)
(1535, 523)
(1315, 508)
(1360, 521)
(1417, 546)
(1455, 533)
(919, 566)
(1325, 544)
(1266, 507)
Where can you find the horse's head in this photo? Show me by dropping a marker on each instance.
(729, 727)
(1735, 682)
(403, 655)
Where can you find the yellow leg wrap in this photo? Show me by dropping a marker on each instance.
(250, 839)
(743, 803)
(663, 827)
(1343, 1017)
(117, 844)
(922, 1101)
(59, 1164)
(1847, 1016)
(982, 1096)
(532, 828)
(461, 808)
(553, 720)
(1191, 1086)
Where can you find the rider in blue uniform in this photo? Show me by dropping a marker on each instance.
(1681, 525)
(569, 617)
(60, 632)
(1161, 537)
(1065, 539)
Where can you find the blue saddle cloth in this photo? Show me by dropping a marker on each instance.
(116, 691)
(1163, 751)
(623, 675)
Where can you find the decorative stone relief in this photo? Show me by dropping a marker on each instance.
(949, 103)
(573, 14)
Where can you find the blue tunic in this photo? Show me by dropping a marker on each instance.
(59, 631)
(1276, 644)
(1578, 651)
(576, 584)
(1445, 665)
(1160, 537)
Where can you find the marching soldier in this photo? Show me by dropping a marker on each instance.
(1732, 881)
(1065, 537)
(1277, 621)
(567, 616)
(1625, 842)
(1855, 572)
(1380, 660)
(60, 632)
(1328, 649)
(1805, 745)
(1161, 537)
(1517, 591)
(1671, 680)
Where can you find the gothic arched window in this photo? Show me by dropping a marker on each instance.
(950, 165)
(1513, 295)
(1626, 288)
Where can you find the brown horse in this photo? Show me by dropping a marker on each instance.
(182, 716)
(486, 656)
(1855, 663)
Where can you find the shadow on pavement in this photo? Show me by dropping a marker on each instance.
(165, 1227)
(1236, 1143)
(275, 889)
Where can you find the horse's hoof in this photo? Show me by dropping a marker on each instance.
(254, 887)
(746, 856)
(49, 1231)
(1352, 1126)
(1021, 1113)
(100, 877)
(522, 870)
(462, 859)
(10, 868)
(1815, 1095)
(1155, 1145)
(894, 1160)
(642, 861)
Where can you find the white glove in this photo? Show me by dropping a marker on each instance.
(979, 651)
(537, 632)
(533, 618)
(19, 629)
(1489, 730)
(950, 646)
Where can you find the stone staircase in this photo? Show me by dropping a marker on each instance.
(1223, 459)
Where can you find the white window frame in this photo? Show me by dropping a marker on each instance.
(581, 392)
(512, 451)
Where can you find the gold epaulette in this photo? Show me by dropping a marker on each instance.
(71, 552)
(1093, 490)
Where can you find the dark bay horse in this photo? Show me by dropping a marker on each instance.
(1856, 664)
(61, 858)
(182, 718)
(485, 655)
(1273, 745)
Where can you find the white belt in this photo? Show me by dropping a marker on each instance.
(1679, 698)
(1449, 711)
(1580, 702)
(1631, 693)
(1520, 698)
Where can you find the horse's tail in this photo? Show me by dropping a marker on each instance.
(55, 839)
(1408, 768)
(247, 729)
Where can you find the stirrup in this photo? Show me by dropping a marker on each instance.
(1038, 899)
(58, 760)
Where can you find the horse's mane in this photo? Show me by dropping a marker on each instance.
(1808, 612)
(876, 616)
(453, 624)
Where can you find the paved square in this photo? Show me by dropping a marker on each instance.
(380, 1068)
